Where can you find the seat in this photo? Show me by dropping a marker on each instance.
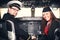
(11, 34)
(3, 30)
(57, 34)
(7, 31)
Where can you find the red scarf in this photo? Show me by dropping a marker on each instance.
(46, 29)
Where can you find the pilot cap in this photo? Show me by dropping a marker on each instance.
(17, 4)
(46, 9)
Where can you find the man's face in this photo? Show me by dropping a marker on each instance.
(13, 11)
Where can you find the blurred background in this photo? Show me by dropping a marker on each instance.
(29, 17)
(37, 7)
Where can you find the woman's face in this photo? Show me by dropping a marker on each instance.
(46, 16)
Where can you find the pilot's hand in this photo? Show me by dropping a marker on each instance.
(33, 38)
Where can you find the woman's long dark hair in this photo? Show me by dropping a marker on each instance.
(44, 22)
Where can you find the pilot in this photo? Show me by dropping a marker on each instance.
(13, 8)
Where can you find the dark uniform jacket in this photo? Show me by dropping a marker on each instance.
(51, 32)
(20, 34)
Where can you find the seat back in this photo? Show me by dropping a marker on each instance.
(11, 34)
(3, 30)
